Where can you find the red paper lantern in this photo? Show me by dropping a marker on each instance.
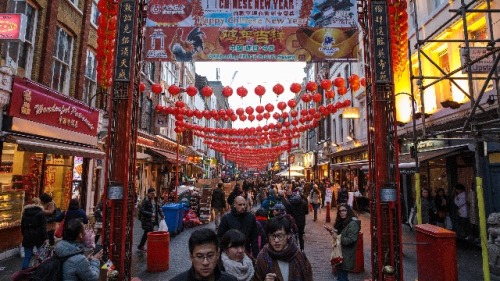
(142, 87)
(278, 89)
(292, 103)
(342, 90)
(317, 98)
(339, 82)
(266, 115)
(229, 111)
(295, 122)
(243, 117)
(284, 115)
(311, 86)
(293, 113)
(242, 92)
(227, 91)
(249, 110)
(281, 105)
(259, 108)
(156, 88)
(326, 84)
(269, 107)
(234, 117)
(303, 112)
(355, 87)
(251, 117)
(312, 111)
(179, 104)
(329, 94)
(240, 111)
(259, 117)
(174, 90)
(206, 91)
(191, 91)
(353, 79)
(306, 97)
(346, 103)
(363, 82)
(295, 88)
(260, 90)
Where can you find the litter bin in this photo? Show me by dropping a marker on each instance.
(359, 265)
(158, 251)
(173, 217)
(430, 240)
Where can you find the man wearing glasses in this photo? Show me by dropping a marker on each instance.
(204, 252)
(281, 259)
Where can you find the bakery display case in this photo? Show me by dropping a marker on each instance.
(11, 208)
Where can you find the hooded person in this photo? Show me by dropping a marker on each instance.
(298, 209)
(33, 229)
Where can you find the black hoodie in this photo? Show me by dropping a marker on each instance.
(33, 226)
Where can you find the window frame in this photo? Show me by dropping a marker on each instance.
(64, 82)
(90, 78)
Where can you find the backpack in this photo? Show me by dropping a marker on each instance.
(50, 269)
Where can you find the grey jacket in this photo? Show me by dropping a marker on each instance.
(349, 239)
(77, 267)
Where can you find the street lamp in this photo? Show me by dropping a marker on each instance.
(414, 154)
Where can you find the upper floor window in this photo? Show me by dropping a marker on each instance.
(94, 13)
(90, 86)
(20, 54)
(74, 2)
(61, 68)
(438, 3)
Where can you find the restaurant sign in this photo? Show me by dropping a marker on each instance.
(251, 30)
(37, 103)
(12, 26)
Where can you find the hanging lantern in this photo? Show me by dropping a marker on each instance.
(156, 88)
(242, 92)
(355, 87)
(259, 109)
(240, 111)
(281, 105)
(142, 87)
(294, 113)
(259, 117)
(342, 90)
(269, 107)
(266, 115)
(326, 84)
(353, 79)
(206, 91)
(191, 91)
(330, 94)
(251, 117)
(227, 91)
(311, 86)
(339, 82)
(260, 91)
(306, 97)
(174, 90)
(292, 103)
(278, 89)
(295, 88)
(363, 82)
(249, 110)
(179, 104)
(243, 117)
(317, 98)
(350, 113)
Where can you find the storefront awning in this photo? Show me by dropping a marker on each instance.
(54, 147)
(405, 160)
(172, 158)
(349, 165)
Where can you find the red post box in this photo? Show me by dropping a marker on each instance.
(436, 253)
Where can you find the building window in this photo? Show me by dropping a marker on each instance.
(94, 13)
(62, 61)
(20, 54)
(444, 85)
(146, 113)
(74, 2)
(90, 87)
(438, 3)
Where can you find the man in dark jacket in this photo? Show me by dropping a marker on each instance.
(239, 218)
(218, 204)
(150, 215)
(297, 207)
(33, 229)
(204, 251)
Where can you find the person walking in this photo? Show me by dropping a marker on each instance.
(347, 226)
(150, 215)
(281, 259)
(243, 220)
(77, 266)
(441, 205)
(233, 259)
(315, 200)
(218, 204)
(33, 229)
(204, 253)
(49, 208)
(237, 191)
(427, 205)
(298, 209)
(73, 212)
(460, 201)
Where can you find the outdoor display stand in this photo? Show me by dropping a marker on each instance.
(205, 204)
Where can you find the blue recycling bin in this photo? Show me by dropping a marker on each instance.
(173, 217)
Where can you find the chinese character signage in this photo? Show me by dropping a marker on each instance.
(39, 104)
(124, 40)
(251, 30)
(12, 26)
(381, 50)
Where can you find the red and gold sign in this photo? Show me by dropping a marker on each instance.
(11, 27)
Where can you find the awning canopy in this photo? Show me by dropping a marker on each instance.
(358, 164)
(287, 173)
(56, 147)
(405, 160)
(172, 158)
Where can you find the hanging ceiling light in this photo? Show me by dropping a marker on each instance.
(350, 113)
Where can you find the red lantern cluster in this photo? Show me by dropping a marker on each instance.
(106, 36)
(398, 24)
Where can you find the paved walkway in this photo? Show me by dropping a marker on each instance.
(317, 248)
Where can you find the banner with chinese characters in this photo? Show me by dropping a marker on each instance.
(381, 47)
(126, 25)
(251, 30)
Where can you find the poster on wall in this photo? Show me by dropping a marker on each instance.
(252, 30)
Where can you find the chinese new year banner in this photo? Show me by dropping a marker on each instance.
(251, 30)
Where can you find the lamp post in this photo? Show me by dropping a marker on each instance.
(414, 154)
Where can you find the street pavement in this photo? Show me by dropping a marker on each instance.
(317, 248)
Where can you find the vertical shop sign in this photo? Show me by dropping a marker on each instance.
(126, 23)
(381, 41)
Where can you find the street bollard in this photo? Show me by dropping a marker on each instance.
(328, 212)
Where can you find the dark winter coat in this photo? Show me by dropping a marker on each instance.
(190, 276)
(73, 214)
(33, 226)
(349, 239)
(246, 223)
(77, 267)
(218, 199)
(147, 213)
(297, 207)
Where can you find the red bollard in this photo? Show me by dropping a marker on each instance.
(328, 212)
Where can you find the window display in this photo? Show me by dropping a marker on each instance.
(11, 208)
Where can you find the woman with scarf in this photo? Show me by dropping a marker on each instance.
(347, 226)
(281, 259)
(233, 258)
